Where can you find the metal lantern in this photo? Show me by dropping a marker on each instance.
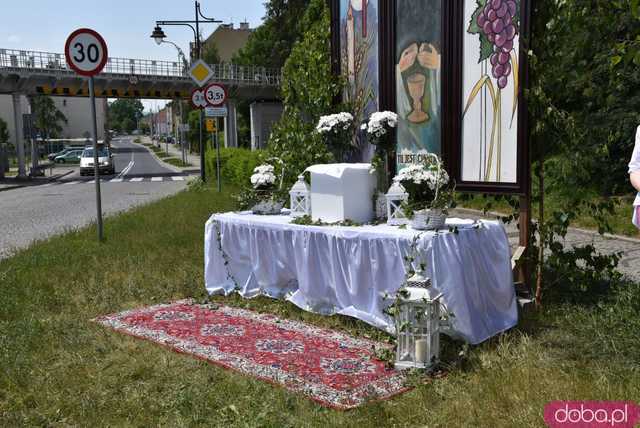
(395, 197)
(417, 325)
(300, 198)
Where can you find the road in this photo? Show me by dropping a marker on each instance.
(38, 212)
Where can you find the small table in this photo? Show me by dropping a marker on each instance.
(353, 270)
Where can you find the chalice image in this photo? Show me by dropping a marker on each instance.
(416, 85)
(415, 62)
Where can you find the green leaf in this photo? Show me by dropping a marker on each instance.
(615, 60)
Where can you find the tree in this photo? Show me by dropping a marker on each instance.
(124, 114)
(271, 43)
(306, 95)
(210, 53)
(48, 119)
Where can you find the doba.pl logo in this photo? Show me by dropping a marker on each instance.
(592, 414)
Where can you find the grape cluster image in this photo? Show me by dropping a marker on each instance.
(496, 21)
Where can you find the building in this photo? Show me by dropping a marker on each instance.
(76, 109)
(228, 40)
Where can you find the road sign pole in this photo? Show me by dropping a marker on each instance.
(203, 174)
(218, 158)
(96, 166)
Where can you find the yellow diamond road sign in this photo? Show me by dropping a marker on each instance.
(200, 72)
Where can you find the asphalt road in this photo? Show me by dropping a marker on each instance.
(38, 212)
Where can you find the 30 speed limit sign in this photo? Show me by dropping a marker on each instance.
(86, 52)
(215, 94)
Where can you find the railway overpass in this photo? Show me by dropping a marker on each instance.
(25, 72)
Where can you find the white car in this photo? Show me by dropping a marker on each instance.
(105, 161)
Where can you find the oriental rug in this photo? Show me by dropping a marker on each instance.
(332, 368)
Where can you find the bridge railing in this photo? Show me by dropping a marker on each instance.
(54, 62)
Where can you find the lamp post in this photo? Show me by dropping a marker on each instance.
(185, 66)
(159, 36)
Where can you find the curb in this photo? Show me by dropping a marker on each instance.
(572, 229)
(29, 183)
(165, 164)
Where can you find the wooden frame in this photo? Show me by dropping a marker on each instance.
(452, 87)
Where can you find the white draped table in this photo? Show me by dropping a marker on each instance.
(350, 270)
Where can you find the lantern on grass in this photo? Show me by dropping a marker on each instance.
(396, 196)
(417, 325)
(300, 198)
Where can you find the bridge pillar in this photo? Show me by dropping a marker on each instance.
(19, 134)
(263, 116)
(231, 126)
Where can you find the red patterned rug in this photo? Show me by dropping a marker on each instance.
(331, 368)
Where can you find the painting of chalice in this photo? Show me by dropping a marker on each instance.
(418, 81)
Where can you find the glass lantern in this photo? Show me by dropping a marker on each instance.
(395, 197)
(417, 326)
(300, 198)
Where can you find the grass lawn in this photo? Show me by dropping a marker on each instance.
(58, 368)
(176, 162)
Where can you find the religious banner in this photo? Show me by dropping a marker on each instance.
(418, 79)
(359, 60)
(490, 91)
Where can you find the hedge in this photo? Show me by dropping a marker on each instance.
(236, 164)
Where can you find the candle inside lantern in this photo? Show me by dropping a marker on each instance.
(421, 351)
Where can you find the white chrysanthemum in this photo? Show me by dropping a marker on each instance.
(330, 122)
(263, 175)
(379, 121)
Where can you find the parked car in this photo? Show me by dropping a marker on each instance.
(105, 161)
(67, 149)
(72, 156)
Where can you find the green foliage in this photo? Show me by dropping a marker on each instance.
(308, 89)
(124, 114)
(47, 117)
(236, 165)
(270, 44)
(210, 53)
(4, 132)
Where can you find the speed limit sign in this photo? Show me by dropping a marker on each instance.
(215, 94)
(86, 52)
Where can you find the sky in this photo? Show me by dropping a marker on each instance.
(126, 25)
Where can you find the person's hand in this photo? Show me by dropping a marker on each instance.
(429, 57)
(408, 57)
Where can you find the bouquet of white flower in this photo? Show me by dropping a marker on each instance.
(428, 185)
(263, 177)
(337, 130)
(379, 126)
(265, 195)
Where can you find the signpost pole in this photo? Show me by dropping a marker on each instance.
(218, 157)
(203, 174)
(96, 166)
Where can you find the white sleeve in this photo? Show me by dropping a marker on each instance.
(634, 165)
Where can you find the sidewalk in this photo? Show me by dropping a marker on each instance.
(9, 183)
(175, 151)
(608, 244)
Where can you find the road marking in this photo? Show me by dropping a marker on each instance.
(156, 178)
(136, 180)
(126, 170)
(177, 178)
(73, 182)
(91, 182)
(116, 180)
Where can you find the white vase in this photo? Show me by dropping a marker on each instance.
(428, 219)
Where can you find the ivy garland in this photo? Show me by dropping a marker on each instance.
(225, 256)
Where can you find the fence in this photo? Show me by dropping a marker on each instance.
(54, 62)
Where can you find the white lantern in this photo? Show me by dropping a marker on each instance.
(395, 197)
(417, 325)
(300, 198)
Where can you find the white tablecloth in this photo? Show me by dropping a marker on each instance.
(349, 270)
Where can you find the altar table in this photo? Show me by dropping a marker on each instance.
(352, 270)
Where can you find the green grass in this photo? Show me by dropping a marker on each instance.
(620, 221)
(176, 162)
(58, 368)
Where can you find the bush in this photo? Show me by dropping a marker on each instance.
(236, 164)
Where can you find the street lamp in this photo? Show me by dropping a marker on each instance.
(158, 36)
